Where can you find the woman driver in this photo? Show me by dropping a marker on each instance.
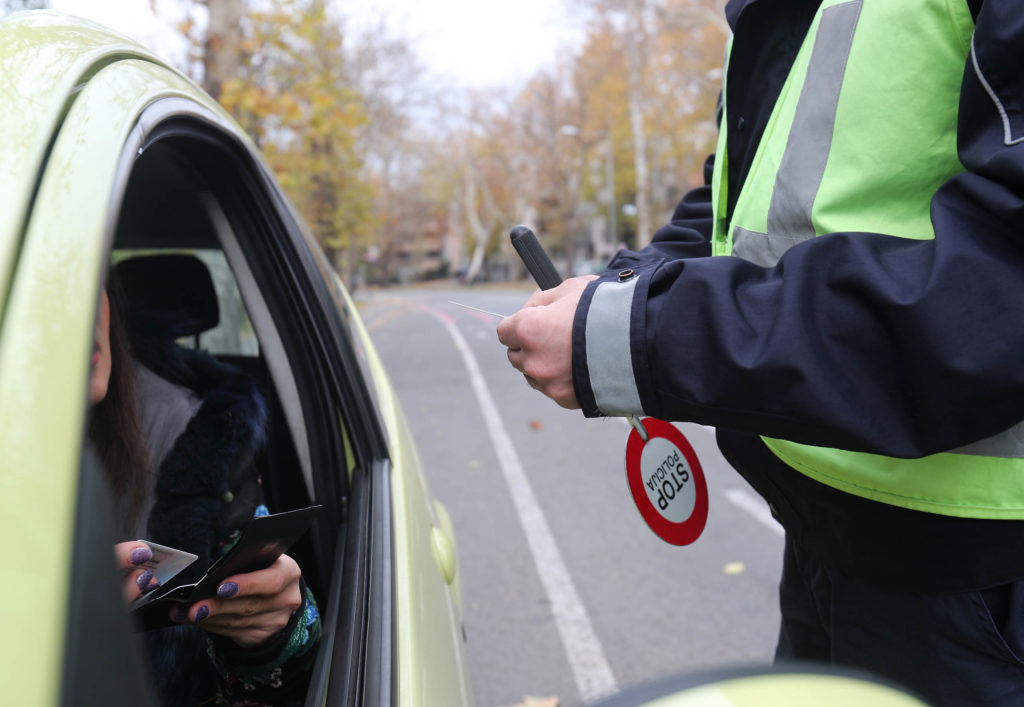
(254, 642)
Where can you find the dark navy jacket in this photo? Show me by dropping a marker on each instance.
(938, 360)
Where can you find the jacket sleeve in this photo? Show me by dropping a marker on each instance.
(856, 340)
(274, 674)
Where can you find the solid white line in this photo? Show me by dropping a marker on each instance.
(756, 507)
(590, 667)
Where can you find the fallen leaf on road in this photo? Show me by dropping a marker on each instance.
(536, 425)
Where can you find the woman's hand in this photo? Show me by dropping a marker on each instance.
(137, 579)
(251, 608)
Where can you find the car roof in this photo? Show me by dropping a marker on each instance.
(45, 59)
(69, 131)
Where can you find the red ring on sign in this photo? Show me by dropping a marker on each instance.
(675, 533)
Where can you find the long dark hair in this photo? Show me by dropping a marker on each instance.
(114, 422)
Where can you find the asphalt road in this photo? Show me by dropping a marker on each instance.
(567, 592)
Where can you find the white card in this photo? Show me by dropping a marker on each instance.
(167, 561)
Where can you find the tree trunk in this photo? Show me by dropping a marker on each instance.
(476, 226)
(222, 51)
(635, 40)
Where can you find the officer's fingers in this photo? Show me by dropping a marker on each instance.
(563, 393)
(517, 358)
(559, 390)
(572, 287)
(508, 333)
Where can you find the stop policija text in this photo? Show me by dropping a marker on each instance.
(672, 475)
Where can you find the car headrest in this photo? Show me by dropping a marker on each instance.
(174, 288)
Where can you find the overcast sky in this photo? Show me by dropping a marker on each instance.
(478, 42)
(475, 43)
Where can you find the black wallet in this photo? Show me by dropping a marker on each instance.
(262, 541)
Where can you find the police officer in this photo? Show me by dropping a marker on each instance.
(859, 341)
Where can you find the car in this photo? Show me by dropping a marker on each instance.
(108, 154)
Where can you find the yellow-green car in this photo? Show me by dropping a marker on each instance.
(108, 153)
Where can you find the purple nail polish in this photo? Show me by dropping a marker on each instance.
(153, 584)
(227, 590)
(143, 579)
(140, 555)
(202, 613)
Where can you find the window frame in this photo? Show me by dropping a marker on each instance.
(352, 539)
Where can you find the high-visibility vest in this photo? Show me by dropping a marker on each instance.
(861, 137)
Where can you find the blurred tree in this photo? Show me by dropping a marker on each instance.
(222, 45)
(650, 68)
(685, 76)
(605, 134)
(279, 69)
(408, 215)
(404, 181)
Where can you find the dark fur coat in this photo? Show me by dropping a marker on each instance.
(207, 488)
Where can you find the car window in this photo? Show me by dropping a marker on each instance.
(234, 334)
(195, 189)
(186, 183)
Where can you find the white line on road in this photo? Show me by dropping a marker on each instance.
(755, 507)
(590, 668)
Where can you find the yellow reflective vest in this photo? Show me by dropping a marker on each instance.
(861, 137)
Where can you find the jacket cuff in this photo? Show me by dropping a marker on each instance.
(301, 634)
(607, 344)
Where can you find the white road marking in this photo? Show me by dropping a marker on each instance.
(756, 507)
(590, 668)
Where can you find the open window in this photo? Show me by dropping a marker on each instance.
(194, 189)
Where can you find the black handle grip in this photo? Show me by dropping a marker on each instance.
(534, 257)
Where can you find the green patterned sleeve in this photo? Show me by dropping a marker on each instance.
(276, 673)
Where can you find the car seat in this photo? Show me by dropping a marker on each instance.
(171, 291)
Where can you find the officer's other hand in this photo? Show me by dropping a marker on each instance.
(539, 339)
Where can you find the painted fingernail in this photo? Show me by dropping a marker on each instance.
(180, 612)
(153, 584)
(227, 590)
(203, 612)
(143, 579)
(140, 555)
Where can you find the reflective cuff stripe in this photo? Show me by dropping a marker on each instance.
(609, 357)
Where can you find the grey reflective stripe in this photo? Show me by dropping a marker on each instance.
(1008, 444)
(609, 357)
(810, 139)
(1008, 138)
(759, 248)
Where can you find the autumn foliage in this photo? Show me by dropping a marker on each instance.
(401, 179)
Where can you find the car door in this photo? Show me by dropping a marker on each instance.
(393, 622)
(391, 628)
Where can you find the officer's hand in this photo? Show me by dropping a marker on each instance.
(539, 339)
